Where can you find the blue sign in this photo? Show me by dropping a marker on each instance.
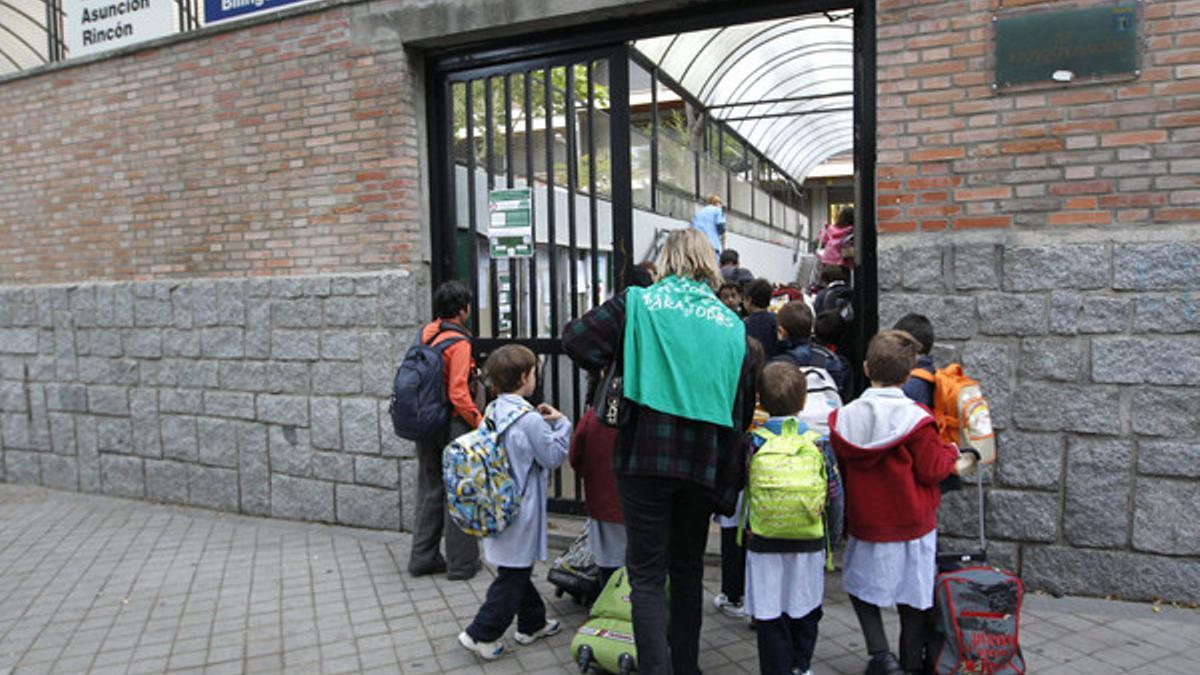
(223, 10)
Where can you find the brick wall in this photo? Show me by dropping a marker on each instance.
(277, 149)
(1052, 237)
(955, 155)
(259, 396)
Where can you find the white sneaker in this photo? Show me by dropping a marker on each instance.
(552, 627)
(488, 651)
(733, 610)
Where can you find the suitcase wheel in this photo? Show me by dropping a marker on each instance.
(584, 658)
(558, 592)
(625, 664)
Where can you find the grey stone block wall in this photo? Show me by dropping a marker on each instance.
(259, 396)
(1090, 357)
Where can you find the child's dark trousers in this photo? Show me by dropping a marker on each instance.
(511, 593)
(786, 645)
(733, 565)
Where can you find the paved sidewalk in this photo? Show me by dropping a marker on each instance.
(106, 585)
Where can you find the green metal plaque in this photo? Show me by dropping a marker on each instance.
(1067, 46)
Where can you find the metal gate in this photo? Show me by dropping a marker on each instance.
(559, 126)
(553, 114)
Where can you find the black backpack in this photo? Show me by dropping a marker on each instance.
(839, 298)
(420, 383)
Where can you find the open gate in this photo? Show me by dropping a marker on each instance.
(552, 115)
(559, 127)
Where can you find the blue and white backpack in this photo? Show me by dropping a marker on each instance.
(480, 490)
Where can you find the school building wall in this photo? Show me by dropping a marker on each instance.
(145, 196)
(1052, 237)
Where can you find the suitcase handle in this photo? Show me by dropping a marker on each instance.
(979, 492)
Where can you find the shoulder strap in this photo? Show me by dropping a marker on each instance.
(442, 346)
(825, 354)
(922, 374)
(827, 381)
(503, 425)
(445, 327)
(764, 433)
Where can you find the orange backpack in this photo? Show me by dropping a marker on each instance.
(961, 411)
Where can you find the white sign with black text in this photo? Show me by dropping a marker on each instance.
(94, 26)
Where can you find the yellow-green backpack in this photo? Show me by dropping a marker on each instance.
(787, 486)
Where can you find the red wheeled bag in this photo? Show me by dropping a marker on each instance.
(978, 610)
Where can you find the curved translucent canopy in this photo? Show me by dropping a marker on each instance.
(22, 35)
(785, 85)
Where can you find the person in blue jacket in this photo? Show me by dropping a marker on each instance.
(710, 220)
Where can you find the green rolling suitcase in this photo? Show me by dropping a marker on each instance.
(605, 642)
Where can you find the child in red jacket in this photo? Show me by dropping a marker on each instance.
(591, 457)
(892, 461)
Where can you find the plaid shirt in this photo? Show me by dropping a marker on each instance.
(661, 445)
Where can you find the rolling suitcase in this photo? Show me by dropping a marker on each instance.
(605, 643)
(977, 610)
(575, 573)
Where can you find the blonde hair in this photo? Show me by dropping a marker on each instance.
(687, 254)
(714, 200)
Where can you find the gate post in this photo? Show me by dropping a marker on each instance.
(622, 192)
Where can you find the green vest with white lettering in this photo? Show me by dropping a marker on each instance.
(683, 350)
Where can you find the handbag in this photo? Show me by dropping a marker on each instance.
(611, 407)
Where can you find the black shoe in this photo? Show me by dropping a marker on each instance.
(884, 664)
(435, 568)
(465, 575)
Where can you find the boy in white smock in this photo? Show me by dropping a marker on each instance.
(536, 445)
(892, 460)
(785, 577)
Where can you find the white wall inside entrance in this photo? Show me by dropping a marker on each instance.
(774, 261)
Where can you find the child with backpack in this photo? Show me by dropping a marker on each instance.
(959, 408)
(796, 345)
(536, 444)
(835, 293)
(793, 507)
(432, 402)
(917, 388)
(730, 601)
(892, 460)
(829, 329)
(836, 240)
(591, 457)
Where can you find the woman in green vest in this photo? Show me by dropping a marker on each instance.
(689, 386)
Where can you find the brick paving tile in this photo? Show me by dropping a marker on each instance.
(105, 585)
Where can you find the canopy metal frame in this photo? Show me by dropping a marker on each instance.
(774, 72)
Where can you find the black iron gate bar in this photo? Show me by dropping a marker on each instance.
(54, 41)
(654, 139)
(533, 279)
(490, 179)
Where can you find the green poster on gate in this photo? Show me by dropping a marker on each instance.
(510, 223)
